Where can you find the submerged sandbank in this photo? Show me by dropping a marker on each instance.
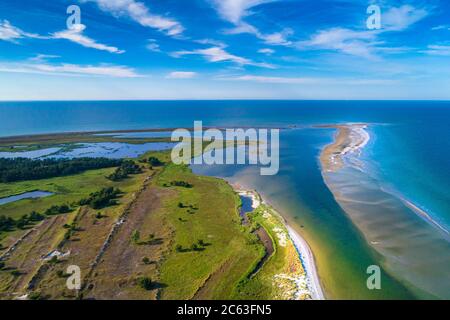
(414, 249)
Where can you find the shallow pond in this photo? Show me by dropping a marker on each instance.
(26, 195)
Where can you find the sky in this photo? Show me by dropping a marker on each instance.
(224, 49)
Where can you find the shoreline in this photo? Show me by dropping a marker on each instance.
(305, 255)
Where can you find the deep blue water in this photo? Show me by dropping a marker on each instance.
(18, 118)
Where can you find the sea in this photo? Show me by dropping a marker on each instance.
(406, 159)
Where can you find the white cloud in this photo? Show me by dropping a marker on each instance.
(11, 33)
(39, 66)
(441, 27)
(211, 42)
(140, 13)
(234, 11)
(76, 35)
(153, 45)
(275, 80)
(181, 75)
(43, 57)
(217, 54)
(365, 43)
(277, 38)
(357, 43)
(401, 18)
(266, 51)
(293, 80)
(438, 50)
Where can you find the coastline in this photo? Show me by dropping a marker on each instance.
(305, 255)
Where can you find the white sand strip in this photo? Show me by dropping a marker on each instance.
(308, 264)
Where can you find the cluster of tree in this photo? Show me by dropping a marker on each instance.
(183, 184)
(155, 162)
(127, 167)
(101, 199)
(8, 223)
(21, 169)
(54, 210)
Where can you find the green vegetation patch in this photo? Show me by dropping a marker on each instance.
(211, 250)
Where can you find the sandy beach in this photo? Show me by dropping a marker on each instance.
(350, 138)
(305, 254)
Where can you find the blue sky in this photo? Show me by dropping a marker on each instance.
(224, 49)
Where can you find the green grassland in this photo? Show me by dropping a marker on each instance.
(276, 278)
(66, 190)
(230, 252)
(206, 251)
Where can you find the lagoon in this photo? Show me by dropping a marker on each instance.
(27, 195)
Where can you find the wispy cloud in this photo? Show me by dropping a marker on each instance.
(39, 65)
(438, 50)
(218, 54)
(266, 51)
(366, 43)
(234, 11)
(441, 27)
(153, 45)
(181, 75)
(76, 35)
(274, 80)
(357, 43)
(401, 18)
(139, 12)
(11, 33)
(276, 38)
(307, 81)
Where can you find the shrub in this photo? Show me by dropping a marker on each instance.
(155, 162)
(135, 236)
(145, 283)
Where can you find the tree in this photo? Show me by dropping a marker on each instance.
(53, 260)
(155, 162)
(146, 260)
(135, 236)
(145, 283)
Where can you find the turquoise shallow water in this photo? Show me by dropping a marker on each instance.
(408, 155)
